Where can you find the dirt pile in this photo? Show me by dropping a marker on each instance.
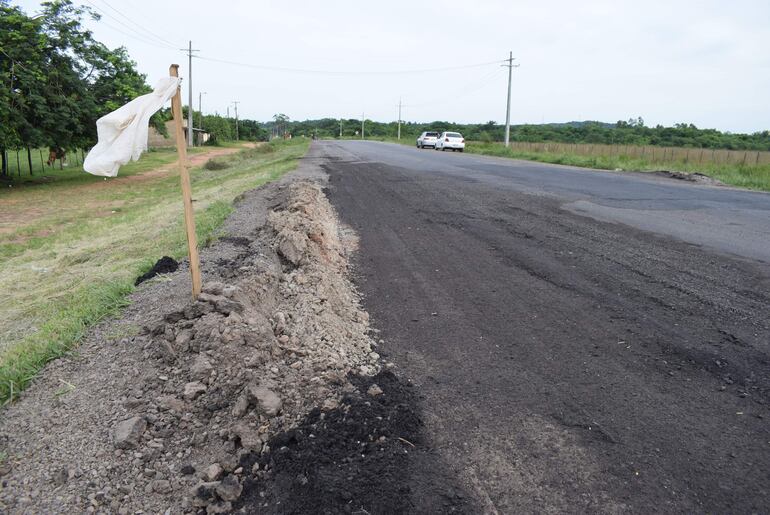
(164, 265)
(271, 340)
(356, 458)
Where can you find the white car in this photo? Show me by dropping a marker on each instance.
(427, 139)
(450, 140)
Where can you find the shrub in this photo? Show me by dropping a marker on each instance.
(215, 164)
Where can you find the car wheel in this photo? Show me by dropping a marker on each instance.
(443, 149)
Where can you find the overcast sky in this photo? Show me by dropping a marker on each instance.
(704, 62)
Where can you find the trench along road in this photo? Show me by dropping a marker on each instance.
(580, 340)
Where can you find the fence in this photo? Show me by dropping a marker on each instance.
(653, 154)
(18, 161)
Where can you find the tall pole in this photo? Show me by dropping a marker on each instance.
(189, 51)
(508, 104)
(200, 109)
(363, 119)
(235, 103)
(340, 127)
(399, 118)
(184, 177)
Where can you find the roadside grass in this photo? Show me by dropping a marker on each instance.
(60, 274)
(753, 177)
(750, 177)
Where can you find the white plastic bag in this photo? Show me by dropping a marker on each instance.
(122, 134)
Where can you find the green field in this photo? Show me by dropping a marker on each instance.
(71, 244)
(755, 177)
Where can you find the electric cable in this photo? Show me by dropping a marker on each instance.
(344, 72)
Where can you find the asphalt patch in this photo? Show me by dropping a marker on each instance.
(357, 458)
(164, 265)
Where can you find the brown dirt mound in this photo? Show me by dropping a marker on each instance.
(163, 418)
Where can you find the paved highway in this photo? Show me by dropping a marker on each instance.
(580, 340)
(727, 219)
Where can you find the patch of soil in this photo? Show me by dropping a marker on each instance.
(164, 265)
(690, 177)
(357, 457)
(236, 240)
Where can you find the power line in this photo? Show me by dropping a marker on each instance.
(344, 72)
(136, 37)
(133, 34)
(485, 81)
(140, 26)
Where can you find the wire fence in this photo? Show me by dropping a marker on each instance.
(19, 161)
(651, 153)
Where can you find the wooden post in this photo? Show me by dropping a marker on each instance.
(184, 176)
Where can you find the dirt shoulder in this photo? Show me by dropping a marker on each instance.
(187, 407)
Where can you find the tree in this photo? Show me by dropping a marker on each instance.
(57, 80)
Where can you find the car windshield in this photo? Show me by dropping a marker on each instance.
(453, 135)
(431, 134)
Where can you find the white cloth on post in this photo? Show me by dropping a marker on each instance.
(122, 134)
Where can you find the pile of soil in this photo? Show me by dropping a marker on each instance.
(164, 265)
(357, 458)
(164, 418)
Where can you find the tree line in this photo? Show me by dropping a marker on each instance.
(631, 132)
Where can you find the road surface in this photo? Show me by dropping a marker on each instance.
(580, 340)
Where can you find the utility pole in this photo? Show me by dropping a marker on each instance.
(200, 109)
(510, 66)
(340, 127)
(399, 118)
(235, 102)
(363, 119)
(189, 51)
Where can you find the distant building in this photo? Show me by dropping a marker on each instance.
(155, 139)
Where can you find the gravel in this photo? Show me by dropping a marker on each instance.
(168, 397)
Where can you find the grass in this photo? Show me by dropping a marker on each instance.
(753, 177)
(750, 177)
(80, 241)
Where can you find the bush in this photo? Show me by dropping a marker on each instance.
(216, 164)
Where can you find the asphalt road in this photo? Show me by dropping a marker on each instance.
(580, 340)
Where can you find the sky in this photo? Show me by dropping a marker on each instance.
(703, 62)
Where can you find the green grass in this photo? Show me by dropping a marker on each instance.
(750, 177)
(80, 242)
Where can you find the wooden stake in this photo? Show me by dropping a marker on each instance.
(184, 176)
